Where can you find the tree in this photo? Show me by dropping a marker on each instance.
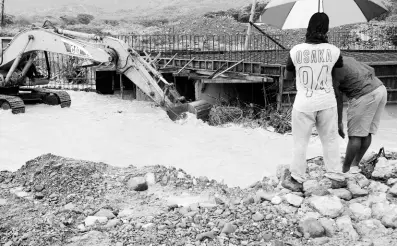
(85, 18)
(2, 12)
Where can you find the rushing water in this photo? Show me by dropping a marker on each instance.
(122, 132)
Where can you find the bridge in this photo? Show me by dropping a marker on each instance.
(223, 60)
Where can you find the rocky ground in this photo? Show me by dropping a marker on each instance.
(54, 200)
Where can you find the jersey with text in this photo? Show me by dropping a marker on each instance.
(313, 66)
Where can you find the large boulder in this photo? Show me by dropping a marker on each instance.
(105, 213)
(137, 184)
(356, 190)
(375, 198)
(372, 228)
(345, 225)
(377, 187)
(360, 212)
(328, 206)
(293, 199)
(313, 187)
(92, 220)
(390, 220)
(341, 193)
(381, 209)
(265, 195)
(385, 169)
(329, 226)
(311, 228)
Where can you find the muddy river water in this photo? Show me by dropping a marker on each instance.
(121, 133)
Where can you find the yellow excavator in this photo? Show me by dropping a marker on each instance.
(16, 65)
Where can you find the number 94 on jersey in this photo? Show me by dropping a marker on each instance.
(313, 81)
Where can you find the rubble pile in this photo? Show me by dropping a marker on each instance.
(59, 201)
(251, 116)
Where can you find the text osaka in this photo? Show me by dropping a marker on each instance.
(314, 56)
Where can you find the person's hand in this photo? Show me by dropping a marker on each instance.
(340, 130)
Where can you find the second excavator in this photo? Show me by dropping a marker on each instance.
(18, 54)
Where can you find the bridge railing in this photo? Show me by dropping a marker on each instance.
(260, 48)
(215, 47)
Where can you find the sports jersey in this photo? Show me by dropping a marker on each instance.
(313, 65)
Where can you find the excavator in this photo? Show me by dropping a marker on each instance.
(17, 66)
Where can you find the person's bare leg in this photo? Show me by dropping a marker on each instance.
(352, 150)
(365, 143)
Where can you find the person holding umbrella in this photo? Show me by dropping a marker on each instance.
(312, 63)
(367, 99)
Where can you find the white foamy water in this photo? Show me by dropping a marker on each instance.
(121, 133)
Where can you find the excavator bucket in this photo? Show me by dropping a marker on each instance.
(177, 112)
(200, 109)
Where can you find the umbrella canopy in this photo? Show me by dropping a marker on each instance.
(293, 14)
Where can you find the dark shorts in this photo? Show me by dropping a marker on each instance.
(363, 113)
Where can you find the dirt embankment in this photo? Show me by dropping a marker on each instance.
(53, 200)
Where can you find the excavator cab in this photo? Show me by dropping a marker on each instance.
(35, 77)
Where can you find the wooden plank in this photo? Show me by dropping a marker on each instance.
(280, 88)
(228, 80)
(191, 60)
(172, 59)
(226, 61)
(213, 74)
(234, 65)
(382, 63)
(169, 70)
(386, 76)
(203, 74)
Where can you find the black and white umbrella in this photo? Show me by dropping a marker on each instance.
(293, 14)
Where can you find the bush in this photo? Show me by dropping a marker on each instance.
(85, 18)
(111, 22)
(153, 22)
(241, 15)
(9, 19)
(69, 20)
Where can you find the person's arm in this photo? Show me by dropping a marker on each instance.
(290, 69)
(339, 62)
(339, 102)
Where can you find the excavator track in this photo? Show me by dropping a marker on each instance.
(16, 103)
(64, 97)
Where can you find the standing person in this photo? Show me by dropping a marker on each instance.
(367, 99)
(315, 104)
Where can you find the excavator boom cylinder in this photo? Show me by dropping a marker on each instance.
(78, 34)
(16, 62)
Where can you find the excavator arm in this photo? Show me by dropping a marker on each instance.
(102, 50)
(128, 62)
